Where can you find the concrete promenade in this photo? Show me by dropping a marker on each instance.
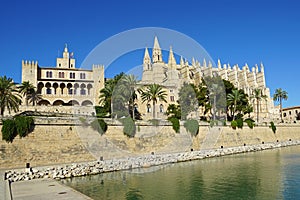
(44, 189)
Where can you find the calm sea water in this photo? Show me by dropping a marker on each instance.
(272, 174)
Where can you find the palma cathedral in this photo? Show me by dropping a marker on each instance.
(172, 74)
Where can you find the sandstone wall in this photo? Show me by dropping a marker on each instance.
(63, 141)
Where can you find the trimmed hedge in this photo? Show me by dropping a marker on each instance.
(250, 122)
(175, 124)
(273, 127)
(192, 126)
(154, 122)
(99, 125)
(240, 123)
(129, 128)
(234, 124)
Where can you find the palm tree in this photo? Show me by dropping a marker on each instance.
(34, 97)
(25, 89)
(279, 96)
(106, 97)
(9, 96)
(234, 98)
(152, 93)
(128, 85)
(258, 96)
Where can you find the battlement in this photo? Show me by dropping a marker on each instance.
(98, 66)
(29, 63)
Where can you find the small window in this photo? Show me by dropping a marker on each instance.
(72, 75)
(148, 108)
(59, 65)
(171, 90)
(161, 108)
(296, 111)
(290, 112)
(172, 98)
(49, 74)
(70, 91)
(284, 114)
(82, 75)
(61, 75)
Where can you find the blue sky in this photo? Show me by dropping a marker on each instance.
(237, 32)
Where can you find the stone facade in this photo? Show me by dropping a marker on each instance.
(172, 75)
(289, 115)
(65, 84)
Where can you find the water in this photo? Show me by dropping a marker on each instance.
(272, 174)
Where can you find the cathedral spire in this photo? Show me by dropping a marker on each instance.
(156, 52)
(172, 62)
(147, 60)
(181, 61)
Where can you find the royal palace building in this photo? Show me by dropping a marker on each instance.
(64, 84)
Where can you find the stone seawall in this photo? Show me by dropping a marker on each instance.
(57, 141)
(101, 166)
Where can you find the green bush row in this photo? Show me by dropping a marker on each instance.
(239, 123)
(19, 125)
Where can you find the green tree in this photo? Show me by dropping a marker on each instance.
(174, 110)
(106, 93)
(34, 97)
(26, 88)
(187, 99)
(127, 86)
(258, 96)
(152, 93)
(202, 94)
(279, 96)
(106, 97)
(235, 99)
(9, 96)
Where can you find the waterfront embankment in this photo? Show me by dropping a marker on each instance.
(101, 166)
(57, 141)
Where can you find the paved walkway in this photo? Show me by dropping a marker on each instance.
(44, 189)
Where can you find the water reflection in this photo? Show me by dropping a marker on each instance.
(262, 175)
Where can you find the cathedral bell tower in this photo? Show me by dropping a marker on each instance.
(156, 52)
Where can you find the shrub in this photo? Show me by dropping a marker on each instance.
(24, 125)
(99, 125)
(234, 124)
(175, 123)
(273, 127)
(83, 121)
(9, 131)
(240, 123)
(21, 125)
(250, 122)
(129, 128)
(192, 126)
(154, 122)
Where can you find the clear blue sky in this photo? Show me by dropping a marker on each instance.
(235, 31)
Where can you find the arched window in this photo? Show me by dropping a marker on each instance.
(82, 75)
(48, 90)
(72, 75)
(148, 108)
(49, 74)
(161, 108)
